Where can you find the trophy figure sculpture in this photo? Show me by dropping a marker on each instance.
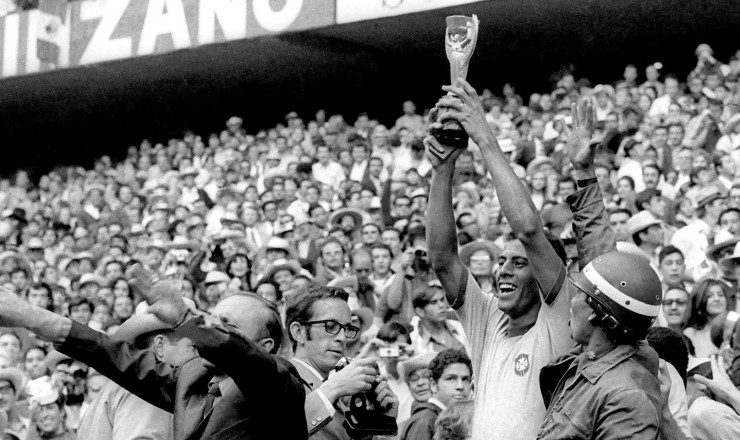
(460, 38)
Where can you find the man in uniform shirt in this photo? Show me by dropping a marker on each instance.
(524, 326)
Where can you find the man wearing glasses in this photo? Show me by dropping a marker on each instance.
(319, 325)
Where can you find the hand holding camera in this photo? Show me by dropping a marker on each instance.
(353, 378)
(373, 407)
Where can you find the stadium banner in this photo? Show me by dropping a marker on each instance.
(88, 32)
(349, 11)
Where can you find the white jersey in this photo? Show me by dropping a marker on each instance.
(506, 369)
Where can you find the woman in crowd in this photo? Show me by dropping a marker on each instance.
(123, 308)
(708, 299)
(626, 195)
(238, 267)
(538, 189)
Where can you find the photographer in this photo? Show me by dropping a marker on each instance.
(395, 303)
(319, 324)
(391, 347)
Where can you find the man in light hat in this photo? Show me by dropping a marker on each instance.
(694, 239)
(117, 414)
(647, 233)
(49, 418)
(216, 285)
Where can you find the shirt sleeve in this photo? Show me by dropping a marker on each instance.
(328, 404)
(474, 315)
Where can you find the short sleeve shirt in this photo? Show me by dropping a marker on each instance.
(508, 400)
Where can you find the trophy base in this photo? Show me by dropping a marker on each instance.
(451, 136)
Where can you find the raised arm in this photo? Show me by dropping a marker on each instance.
(136, 370)
(441, 230)
(515, 200)
(594, 237)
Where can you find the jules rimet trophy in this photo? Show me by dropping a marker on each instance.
(460, 38)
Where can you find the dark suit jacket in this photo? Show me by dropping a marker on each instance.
(321, 424)
(265, 400)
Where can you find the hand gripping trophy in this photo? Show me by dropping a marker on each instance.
(460, 38)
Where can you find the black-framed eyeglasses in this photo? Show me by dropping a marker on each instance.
(333, 327)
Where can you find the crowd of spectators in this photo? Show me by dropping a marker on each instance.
(322, 201)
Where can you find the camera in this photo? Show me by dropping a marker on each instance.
(364, 417)
(391, 351)
(421, 261)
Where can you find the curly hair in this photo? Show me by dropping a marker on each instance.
(446, 358)
(454, 423)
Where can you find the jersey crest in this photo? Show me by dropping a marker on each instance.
(521, 364)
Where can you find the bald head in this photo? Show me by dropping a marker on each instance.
(255, 318)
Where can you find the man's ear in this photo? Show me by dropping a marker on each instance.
(267, 343)
(419, 312)
(297, 332)
(433, 387)
(158, 346)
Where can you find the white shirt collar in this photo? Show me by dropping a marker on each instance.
(436, 402)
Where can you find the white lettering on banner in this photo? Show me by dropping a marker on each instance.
(349, 11)
(276, 21)
(55, 30)
(10, 44)
(230, 14)
(101, 46)
(164, 17)
(33, 64)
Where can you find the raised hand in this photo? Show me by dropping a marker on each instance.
(165, 301)
(721, 384)
(432, 144)
(580, 150)
(463, 105)
(139, 279)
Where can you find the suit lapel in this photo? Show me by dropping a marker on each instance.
(308, 377)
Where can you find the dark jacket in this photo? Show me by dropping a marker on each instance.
(421, 424)
(267, 402)
(615, 396)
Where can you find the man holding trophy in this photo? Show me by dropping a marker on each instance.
(525, 326)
